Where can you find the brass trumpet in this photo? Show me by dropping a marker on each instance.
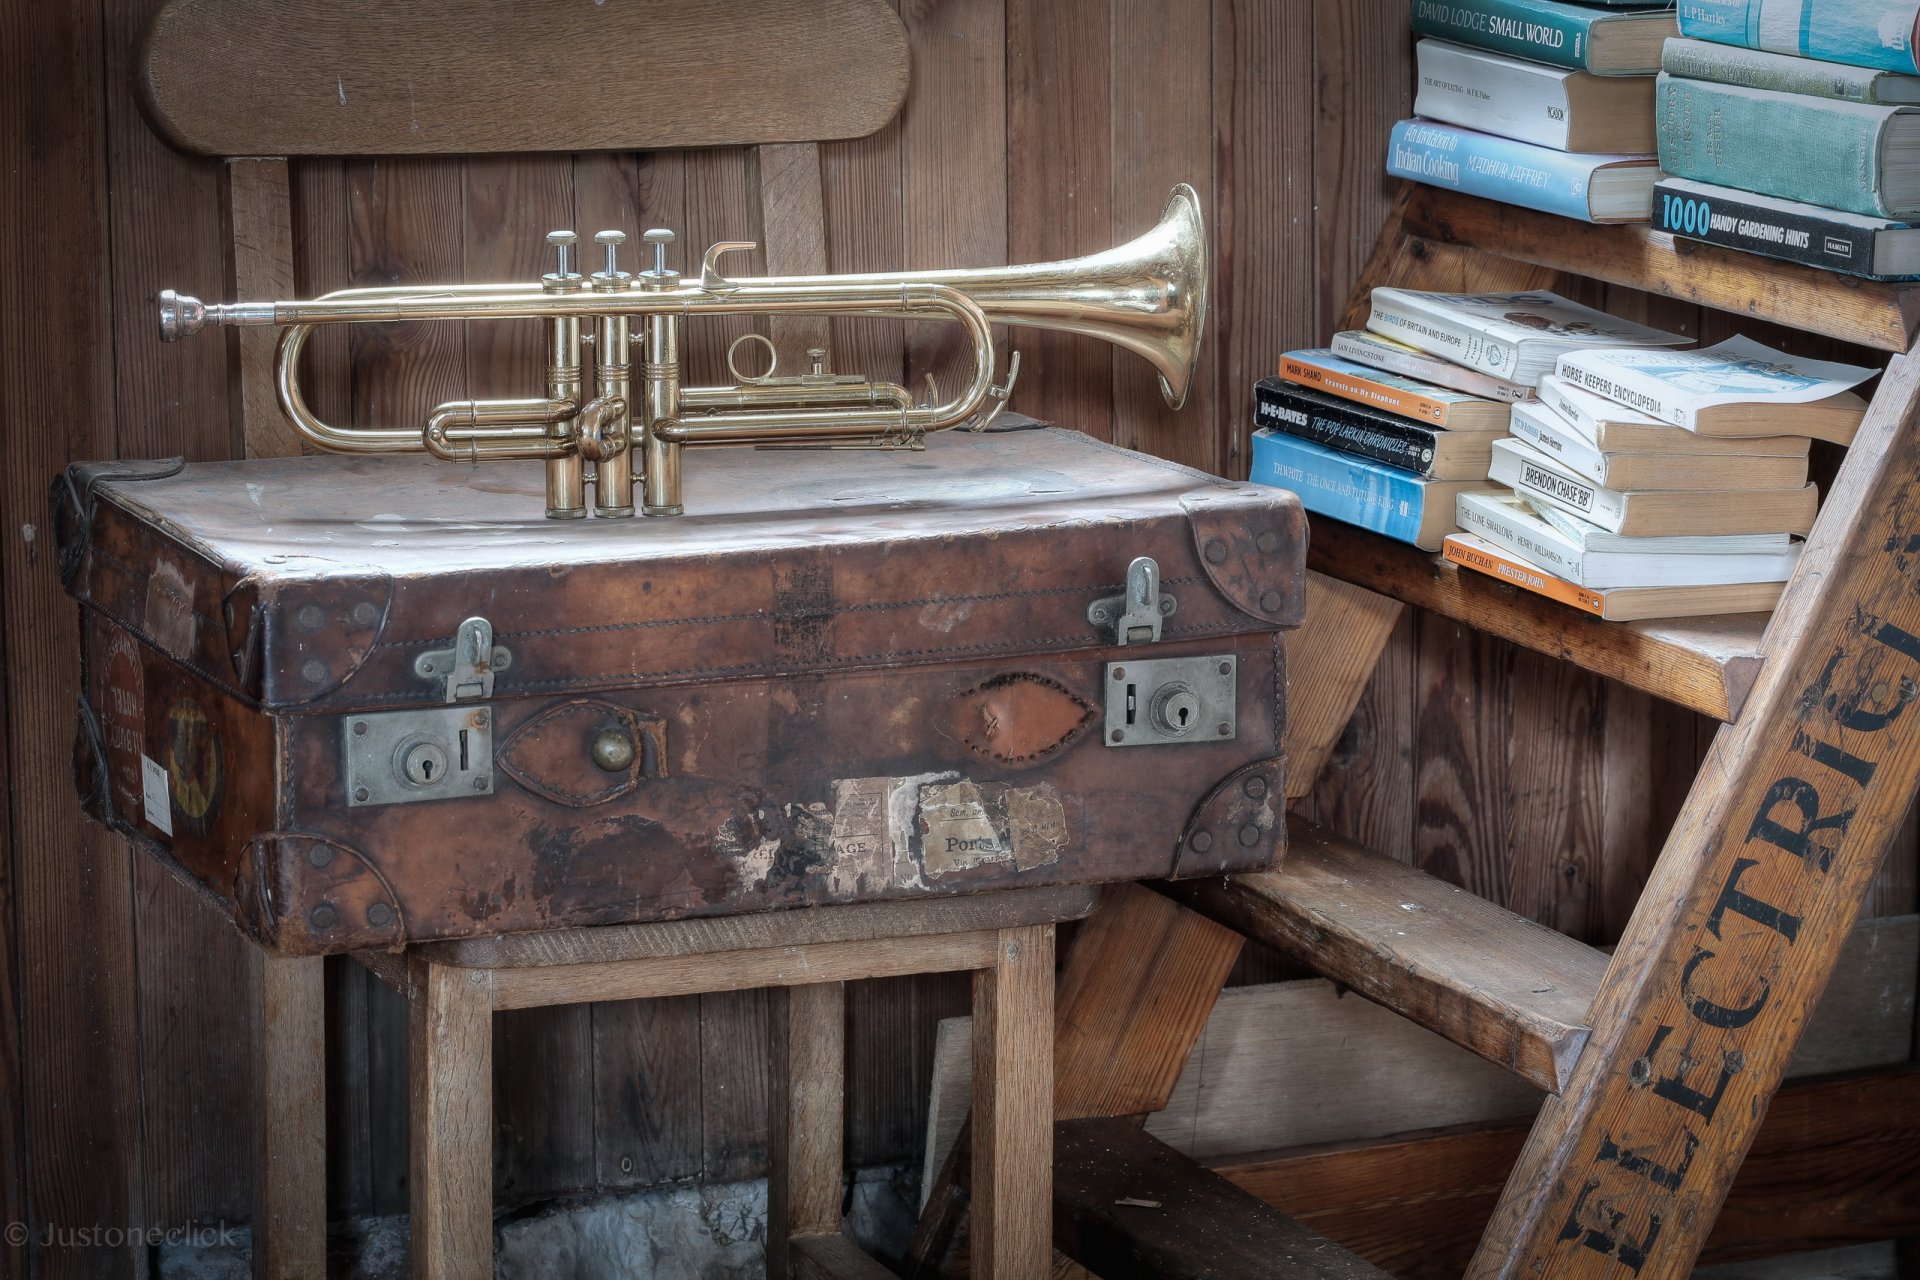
(1148, 296)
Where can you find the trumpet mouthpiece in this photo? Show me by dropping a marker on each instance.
(180, 315)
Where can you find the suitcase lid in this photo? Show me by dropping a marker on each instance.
(332, 583)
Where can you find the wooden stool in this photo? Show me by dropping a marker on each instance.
(1006, 938)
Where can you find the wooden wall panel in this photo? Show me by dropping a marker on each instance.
(1033, 130)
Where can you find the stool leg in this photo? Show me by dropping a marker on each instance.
(1013, 1108)
(805, 1099)
(290, 1099)
(451, 1054)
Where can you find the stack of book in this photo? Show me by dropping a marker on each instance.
(1537, 103)
(1388, 427)
(1658, 484)
(1791, 128)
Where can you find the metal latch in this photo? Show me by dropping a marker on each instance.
(1163, 701)
(1136, 616)
(435, 753)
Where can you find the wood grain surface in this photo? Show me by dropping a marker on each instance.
(374, 77)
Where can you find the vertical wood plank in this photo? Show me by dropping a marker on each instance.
(1330, 659)
(1012, 1108)
(405, 226)
(718, 208)
(1460, 796)
(322, 262)
(805, 1116)
(1059, 190)
(258, 215)
(860, 179)
(1555, 796)
(290, 1118)
(789, 217)
(1263, 87)
(733, 1084)
(452, 1131)
(73, 939)
(953, 169)
(1167, 127)
(1366, 791)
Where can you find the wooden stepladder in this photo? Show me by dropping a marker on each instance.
(1660, 1061)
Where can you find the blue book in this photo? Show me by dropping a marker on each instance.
(1399, 504)
(1607, 42)
(1587, 187)
(1860, 33)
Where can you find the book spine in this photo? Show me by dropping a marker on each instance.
(1493, 168)
(1777, 73)
(1526, 577)
(1516, 27)
(1417, 364)
(1864, 33)
(1811, 149)
(1456, 342)
(1649, 402)
(1528, 478)
(1505, 533)
(1564, 405)
(1340, 487)
(1407, 445)
(1587, 461)
(1789, 235)
(1348, 386)
(1510, 99)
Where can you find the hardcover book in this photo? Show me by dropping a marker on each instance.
(1370, 433)
(1617, 604)
(1517, 336)
(1734, 388)
(1839, 155)
(1612, 427)
(1538, 478)
(1791, 230)
(1455, 410)
(1589, 188)
(1550, 106)
(1579, 37)
(1539, 426)
(1783, 73)
(1377, 351)
(1387, 500)
(1865, 33)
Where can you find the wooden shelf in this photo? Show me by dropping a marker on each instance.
(1513, 991)
(1708, 664)
(1883, 316)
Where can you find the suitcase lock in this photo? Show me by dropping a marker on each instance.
(434, 753)
(1161, 701)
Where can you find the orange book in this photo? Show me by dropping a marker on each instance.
(1479, 555)
(1421, 401)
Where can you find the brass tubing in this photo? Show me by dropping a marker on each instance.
(613, 474)
(567, 476)
(866, 395)
(473, 430)
(660, 485)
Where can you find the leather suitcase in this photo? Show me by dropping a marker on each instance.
(371, 701)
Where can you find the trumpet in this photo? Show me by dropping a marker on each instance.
(1147, 296)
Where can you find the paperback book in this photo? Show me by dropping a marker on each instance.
(1547, 431)
(1616, 604)
(1377, 351)
(1387, 500)
(1838, 155)
(1866, 33)
(1516, 336)
(1513, 524)
(1370, 433)
(1735, 388)
(1570, 184)
(1540, 479)
(1791, 230)
(1614, 428)
(1550, 106)
(1619, 42)
(1783, 73)
(1455, 410)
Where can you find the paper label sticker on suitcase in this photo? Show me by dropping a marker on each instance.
(384, 704)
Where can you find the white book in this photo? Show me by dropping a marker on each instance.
(1553, 107)
(1378, 351)
(1562, 440)
(1638, 513)
(1591, 537)
(1614, 427)
(1516, 336)
(1509, 522)
(1736, 388)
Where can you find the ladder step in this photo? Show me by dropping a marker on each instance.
(832, 1258)
(1512, 991)
(1869, 313)
(1706, 664)
(1126, 1204)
